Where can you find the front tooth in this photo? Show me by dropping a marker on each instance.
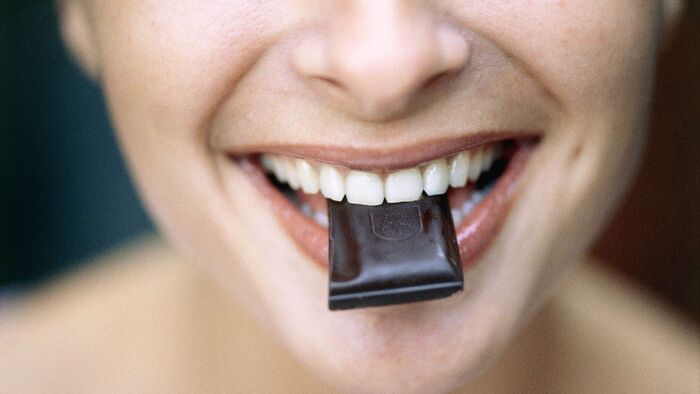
(404, 185)
(292, 174)
(436, 178)
(332, 183)
(307, 177)
(364, 188)
(475, 165)
(459, 169)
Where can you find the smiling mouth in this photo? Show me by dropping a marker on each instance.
(480, 182)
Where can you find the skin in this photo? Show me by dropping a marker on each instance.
(188, 81)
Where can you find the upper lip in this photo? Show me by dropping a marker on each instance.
(385, 158)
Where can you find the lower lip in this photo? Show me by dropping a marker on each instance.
(474, 234)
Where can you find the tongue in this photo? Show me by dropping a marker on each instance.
(392, 253)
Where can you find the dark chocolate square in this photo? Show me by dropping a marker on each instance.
(392, 253)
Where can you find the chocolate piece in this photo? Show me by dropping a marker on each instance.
(392, 253)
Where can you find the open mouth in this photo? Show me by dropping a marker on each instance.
(479, 182)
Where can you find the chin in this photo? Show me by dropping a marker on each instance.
(434, 346)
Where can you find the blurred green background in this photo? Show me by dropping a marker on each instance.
(64, 192)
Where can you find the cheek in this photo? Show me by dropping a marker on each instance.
(168, 65)
(165, 68)
(585, 53)
(596, 59)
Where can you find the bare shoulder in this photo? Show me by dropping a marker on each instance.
(92, 321)
(619, 337)
(140, 319)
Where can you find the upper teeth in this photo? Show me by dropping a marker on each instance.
(371, 188)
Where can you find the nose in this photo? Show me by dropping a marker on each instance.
(375, 58)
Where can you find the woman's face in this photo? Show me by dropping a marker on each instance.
(196, 88)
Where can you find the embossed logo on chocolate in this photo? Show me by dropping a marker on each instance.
(397, 224)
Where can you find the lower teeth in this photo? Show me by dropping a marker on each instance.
(459, 214)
